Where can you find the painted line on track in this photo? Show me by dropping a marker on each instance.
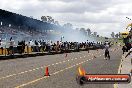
(30, 70)
(36, 80)
(119, 71)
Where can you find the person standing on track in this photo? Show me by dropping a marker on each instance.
(11, 47)
(107, 55)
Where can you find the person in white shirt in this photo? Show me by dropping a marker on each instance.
(11, 46)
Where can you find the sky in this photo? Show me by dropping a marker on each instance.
(102, 16)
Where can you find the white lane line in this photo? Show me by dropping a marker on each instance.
(77, 64)
(48, 65)
(56, 72)
(35, 69)
(21, 73)
(60, 62)
(30, 70)
(10, 75)
(67, 68)
(42, 67)
(25, 71)
(31, 82)
(56, 63)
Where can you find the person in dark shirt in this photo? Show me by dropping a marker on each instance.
(107, 55)
(124, 49)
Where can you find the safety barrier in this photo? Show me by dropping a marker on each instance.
(27, 51)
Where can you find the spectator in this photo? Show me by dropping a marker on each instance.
(1, 47)
(31, 44)
(49, 48)
(107, 51)
(11, 48)
(23, 46)
(124, 49)
(36, 46)
(19, 47)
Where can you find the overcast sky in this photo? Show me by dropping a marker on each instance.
(102, 16)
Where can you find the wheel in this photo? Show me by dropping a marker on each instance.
(80, 80)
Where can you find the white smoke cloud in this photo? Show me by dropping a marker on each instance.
(102, 16)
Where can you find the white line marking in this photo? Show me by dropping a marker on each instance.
(26, 71)
(60, 62)
(29, 70)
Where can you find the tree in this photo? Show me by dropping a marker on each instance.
(56, 22)
(117, 35)
(89, 31)
(113, 35)
(44, 18)
(49, 19)
(68, 25)
(82, 30)
(77, 29)
(95, 33)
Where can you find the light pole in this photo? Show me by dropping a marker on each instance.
(62, 38)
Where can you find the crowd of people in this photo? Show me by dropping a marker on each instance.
(42, 45)
(58, 46)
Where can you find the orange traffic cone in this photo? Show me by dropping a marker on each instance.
(66, 55)
(46, 72)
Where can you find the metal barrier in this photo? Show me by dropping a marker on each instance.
(21, 50)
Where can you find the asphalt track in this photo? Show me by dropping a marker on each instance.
(29, 72)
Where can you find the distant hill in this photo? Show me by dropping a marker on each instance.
(16, 20)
